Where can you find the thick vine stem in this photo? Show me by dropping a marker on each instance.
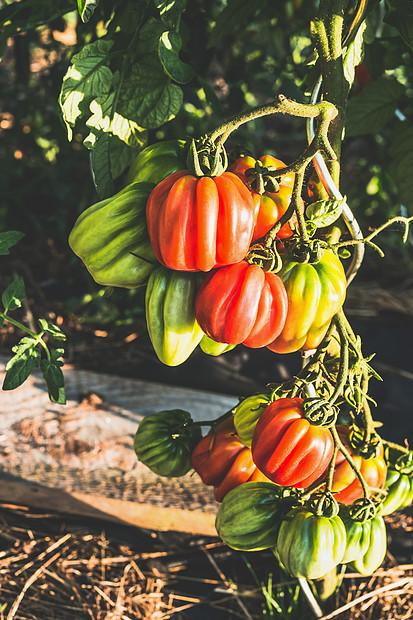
(344, 359)
(323, 110)
(397, 447)
(350, 460)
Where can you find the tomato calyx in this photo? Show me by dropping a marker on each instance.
(204, 158)
(367, 449)
(404, 464)
(323, 504)
(310, 251)
(259, 179)
(320, 412)
(363, 509)
(265, 257)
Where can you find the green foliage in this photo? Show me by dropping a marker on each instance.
(8, 239)
(86, 9)
(324, 212)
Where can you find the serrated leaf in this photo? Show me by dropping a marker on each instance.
(371, 109)
(148, 95)
(88, 77)
(51, 329)
(324, 212)
(171, 11)
(401, 162)
(13, 295)
(19, 367)
(55, 381)
(401, 17)
(8, 239)
(122, 155)
(86, 9)
(354, 54)
(235, 13)
(105, 119)
(169, 47)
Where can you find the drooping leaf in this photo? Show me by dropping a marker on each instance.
(122, 155)
(324, 212)
(20, 366)
(371, 109)
(354, 54)
(169, 47)
(148, 95)
(8, 239)
(13, 295)
(88, 77)
(401, 162)
(54, 378)
(105, 119)
(171, 11)
(100, 162)
(86, 9)
(52, 330)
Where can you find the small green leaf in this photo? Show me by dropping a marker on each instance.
(86, 9)
(169, 47)
(149, 36)
(13, 295)
(51, 329)
(371, 109)
(55, 381)
(344, 253)
(8, 239)
(19, 367)
(354, 54)
(171, 11)
(148, 95)
(324, 212)
(311, 228)
(101, 166)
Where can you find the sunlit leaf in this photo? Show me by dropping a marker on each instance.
(86, 9)
(169, 47)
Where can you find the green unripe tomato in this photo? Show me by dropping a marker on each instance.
(309, 545)
(372, 558)
(170, 314)
(164, 442)
(250, 516)
(399, 488)
(247, 414)
(157, 161)
(111, 238)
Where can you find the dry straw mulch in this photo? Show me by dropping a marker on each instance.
(53, 571)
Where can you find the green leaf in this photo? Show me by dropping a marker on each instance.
(371, 109)
(8, 239)
(324, 212)
(171, 11)
(401, 162)
(55, 381)
(343, 253)
(51, 329)
(86, 9)
(235, 13)
(148, 95)
(20, 366)
(101, 166)
(149, 36)
(354, 54)
(401, 17)
(13, 295)
(105, 119)
(122, 155)
(170, 45)
(88, 77)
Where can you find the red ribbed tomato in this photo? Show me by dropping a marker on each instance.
(198, 223)
(287, 448)
(346, 486)
(269, 207)
(223, 461)
(242, 303)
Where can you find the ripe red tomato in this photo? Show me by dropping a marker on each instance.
(198, 223)
(223, 461)
(346, 486)
(287, 448)
(242, 303)
(269, 207)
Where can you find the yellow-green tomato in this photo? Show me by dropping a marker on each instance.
(170, 314)
(211, 347)
(372, 558)
(247, 414)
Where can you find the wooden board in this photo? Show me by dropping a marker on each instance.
(79, 457)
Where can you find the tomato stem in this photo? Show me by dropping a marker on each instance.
(350, 460)
(342, 375)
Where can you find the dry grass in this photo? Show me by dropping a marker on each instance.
(78, 573)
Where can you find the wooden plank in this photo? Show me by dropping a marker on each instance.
(109, 509)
